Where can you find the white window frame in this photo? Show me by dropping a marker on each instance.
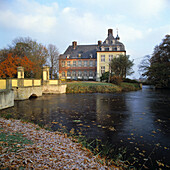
(102, 69)
(74, 63)
(91, 63)
(85, 73)
(79, 73)
(68, 63)
(63, 74)
(68, 75)
(102, 58)
(85, 63)
(63, 63)
(79, 63)
(110, 57)
(73, 73)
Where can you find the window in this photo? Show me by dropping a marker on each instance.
(102, 69)
(74, 63)
(68, 74)
(106, 49)
(85, 73)
(85, 63)
(63, 74)
(110, 57)
(103, 58)
(91, 74)
(79, 74)
(68, 63)
(79, 63)
(91, 63)
(73, 73)
(63, 63)
(118, 48)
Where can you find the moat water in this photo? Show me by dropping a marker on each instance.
(138, 121)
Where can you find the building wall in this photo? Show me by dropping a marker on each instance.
(77, 68)
(106, 62)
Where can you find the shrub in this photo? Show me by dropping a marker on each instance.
(105, 76)
(127, 80)
(116, 80)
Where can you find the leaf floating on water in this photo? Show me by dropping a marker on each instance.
(159, 163)
(141, 154)
(112, 129)
(165, 147)
(132, 134)
(141, 136)
(77, 121)
(99, 126)
(158, 144)
(137, 148)
(153, 131)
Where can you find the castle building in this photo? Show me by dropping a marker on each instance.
(88, 62)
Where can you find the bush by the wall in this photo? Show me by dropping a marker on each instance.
(116, 80)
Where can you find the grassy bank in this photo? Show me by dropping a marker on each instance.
(99, 87)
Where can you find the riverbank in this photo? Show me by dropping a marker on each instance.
(26, 145)
(100, 87)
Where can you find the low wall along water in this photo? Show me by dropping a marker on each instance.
(6, 98)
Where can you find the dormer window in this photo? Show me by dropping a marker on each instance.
(110, 48)
(107, 42)
(102, 48)
(91, 55)
(106, 49)
(79, 55)
(68, 56)
(118, 48)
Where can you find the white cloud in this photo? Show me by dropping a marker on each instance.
(29, 16)
(135, 8)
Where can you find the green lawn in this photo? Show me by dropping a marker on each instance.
(99, 87)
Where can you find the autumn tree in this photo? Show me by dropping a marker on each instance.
(157, 67)
(53, 55)
(35, 52)
(8, 67)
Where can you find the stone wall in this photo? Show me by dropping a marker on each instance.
(54, 89)
(6, 98)
(23, 93)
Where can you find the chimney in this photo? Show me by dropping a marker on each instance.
(110, 31)
(74, 44)
(99, 42)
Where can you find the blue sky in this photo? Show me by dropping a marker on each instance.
(142, 24)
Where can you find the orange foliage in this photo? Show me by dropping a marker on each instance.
(8, 68)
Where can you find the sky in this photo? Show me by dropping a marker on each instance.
(141, 24)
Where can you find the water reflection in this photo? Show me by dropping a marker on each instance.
(138, 120)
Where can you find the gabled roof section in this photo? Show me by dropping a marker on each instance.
(80, 51)
(110, 41)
